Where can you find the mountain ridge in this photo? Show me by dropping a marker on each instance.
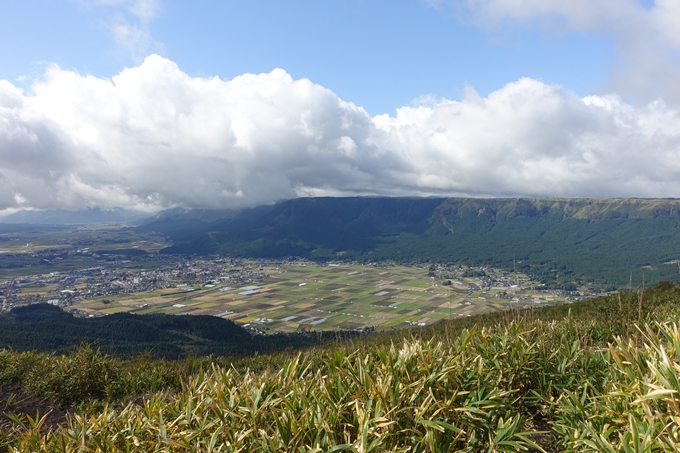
(586, 240)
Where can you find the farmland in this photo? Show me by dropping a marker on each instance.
(96, 271)
(39, 249)
(301, 295)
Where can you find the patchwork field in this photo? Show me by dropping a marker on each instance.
(295, 297)
(25, 253)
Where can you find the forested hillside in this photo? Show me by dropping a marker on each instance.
(45, 328)
(564, 242)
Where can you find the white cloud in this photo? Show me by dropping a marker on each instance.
(144, 10)
(583, 15)
(135, 39)
(153, 137)
(129, 24)
(647, 38)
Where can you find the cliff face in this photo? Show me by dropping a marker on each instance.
(577, 208)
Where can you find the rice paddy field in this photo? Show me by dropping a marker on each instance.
(305, 296)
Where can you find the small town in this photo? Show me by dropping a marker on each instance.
(106, 277)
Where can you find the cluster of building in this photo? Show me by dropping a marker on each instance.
(505, 285)
(110, 274)
(113, 277)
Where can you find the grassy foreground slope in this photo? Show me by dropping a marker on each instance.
(565, 242)
(601, 375)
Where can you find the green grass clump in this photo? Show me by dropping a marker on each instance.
(602, 375)
(638, 408)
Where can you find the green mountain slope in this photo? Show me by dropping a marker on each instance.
(565, 242)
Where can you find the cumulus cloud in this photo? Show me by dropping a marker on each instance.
(154, 137)
(647, 37)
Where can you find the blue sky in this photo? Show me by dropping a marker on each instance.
(151, 104)
(378, 54)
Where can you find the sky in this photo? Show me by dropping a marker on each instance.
(152, 104)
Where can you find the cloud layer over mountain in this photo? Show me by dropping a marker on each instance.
(154, 137)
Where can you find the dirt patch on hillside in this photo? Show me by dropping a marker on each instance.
(14, 400)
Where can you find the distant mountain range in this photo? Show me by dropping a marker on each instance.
(64, 217)
(561, 241)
